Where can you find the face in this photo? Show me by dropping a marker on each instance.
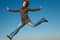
(24, 4)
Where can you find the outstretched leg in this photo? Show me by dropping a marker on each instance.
(39, 22)
(15, 32)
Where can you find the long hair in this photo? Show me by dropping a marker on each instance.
(27, 1)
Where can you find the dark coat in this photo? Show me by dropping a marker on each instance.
(24, 13)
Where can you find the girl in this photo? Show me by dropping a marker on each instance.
(24, 17)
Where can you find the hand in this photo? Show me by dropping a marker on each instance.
(41, 7)
(7, 8)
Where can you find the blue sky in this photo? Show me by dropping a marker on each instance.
(45, 31)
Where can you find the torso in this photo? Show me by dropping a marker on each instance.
(24, 15)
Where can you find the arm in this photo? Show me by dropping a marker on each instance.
(36, 9)
(12, 10)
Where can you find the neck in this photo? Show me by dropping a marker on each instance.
(24, 7)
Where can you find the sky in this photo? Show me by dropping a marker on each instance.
(44, 31)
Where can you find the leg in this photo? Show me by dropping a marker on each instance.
(34, 25)
(39, 22)
(15, 32)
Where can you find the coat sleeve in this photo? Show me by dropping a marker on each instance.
(13, 10)
(36, 9)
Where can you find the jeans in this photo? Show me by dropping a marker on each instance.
(21, 25)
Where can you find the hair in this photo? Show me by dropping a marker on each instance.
(27, 1)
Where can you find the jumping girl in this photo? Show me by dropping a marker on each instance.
(24, 17)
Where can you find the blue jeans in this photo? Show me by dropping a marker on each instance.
(21, 25)
(16, 31)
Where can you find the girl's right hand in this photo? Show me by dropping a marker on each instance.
(7, 8)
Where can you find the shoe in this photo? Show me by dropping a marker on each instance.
(44, 20)
(9, 37)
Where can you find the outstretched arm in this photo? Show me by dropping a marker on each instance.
(12, 10)
(36, 9)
